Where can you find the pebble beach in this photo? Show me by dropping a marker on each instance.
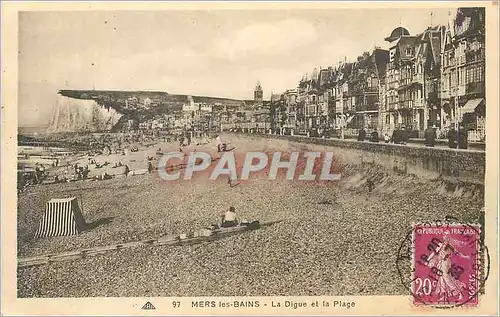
(334, 239)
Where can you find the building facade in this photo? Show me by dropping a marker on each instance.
(463, 72)
(432, 79)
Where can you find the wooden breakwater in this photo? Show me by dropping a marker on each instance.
(204, 235)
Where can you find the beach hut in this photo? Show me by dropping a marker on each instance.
(62, 217)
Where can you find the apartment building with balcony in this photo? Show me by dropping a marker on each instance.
(344, 112)
(412, 81)
(314, 105)
(427, 73)
(364, 88)
(290, 98)
(399, 79)
(463, 71)
(307, 99)
(415, 84)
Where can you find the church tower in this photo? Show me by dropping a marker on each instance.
(258, 93)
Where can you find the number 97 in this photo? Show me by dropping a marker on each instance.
(176, 304)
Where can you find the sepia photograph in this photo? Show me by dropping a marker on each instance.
(211, 153)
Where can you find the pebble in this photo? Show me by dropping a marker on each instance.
(348, 247)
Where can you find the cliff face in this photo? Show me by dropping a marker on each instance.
(72, 115)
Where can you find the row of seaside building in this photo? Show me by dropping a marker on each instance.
(435, 78)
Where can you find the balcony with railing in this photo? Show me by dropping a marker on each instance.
(404, 82)
(405, 104)
(418, 103)
(360, 107)
(475, 88)
(475, 55)
(418, 78)
(338, 107)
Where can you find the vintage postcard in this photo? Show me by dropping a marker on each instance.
(249, 158)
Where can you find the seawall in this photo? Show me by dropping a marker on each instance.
(462, 166)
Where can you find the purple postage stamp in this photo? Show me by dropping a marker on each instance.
(446, 261)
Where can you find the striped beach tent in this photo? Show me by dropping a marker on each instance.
(62, 217)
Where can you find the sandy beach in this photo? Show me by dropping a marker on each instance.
(335, 238)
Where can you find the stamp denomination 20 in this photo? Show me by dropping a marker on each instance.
(446, 261)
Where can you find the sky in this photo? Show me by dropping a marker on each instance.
(217, 53)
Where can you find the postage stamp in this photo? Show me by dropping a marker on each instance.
(446, 264)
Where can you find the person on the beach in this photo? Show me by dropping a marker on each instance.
(38, 175)
(229, 218)
(219, 143)
(85, 172)
(150, 167)
(387, 139)
(127, 170)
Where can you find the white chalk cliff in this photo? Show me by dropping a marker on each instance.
(73, 115)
